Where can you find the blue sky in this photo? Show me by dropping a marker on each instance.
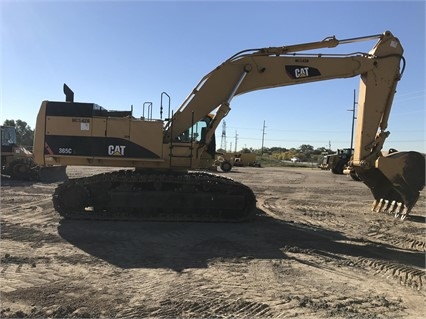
(118, 53)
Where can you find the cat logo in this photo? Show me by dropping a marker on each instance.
(299, 71)
(116, 150)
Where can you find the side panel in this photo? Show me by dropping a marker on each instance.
(73, 136)
(99, 126)
(149, 134)
(68, 126)
(118, 127)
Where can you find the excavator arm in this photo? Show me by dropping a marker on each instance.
(266, 68)
(395, 181)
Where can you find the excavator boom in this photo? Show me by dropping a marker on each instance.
(379, 72)
(70, 133)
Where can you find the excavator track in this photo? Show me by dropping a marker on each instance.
(138, 195)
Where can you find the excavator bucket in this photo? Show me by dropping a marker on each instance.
(396, 182)
(52, 174)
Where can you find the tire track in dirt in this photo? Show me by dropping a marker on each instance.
(34, 201)
(185, 294)
(214, 304)
(283, 209)
(19, 273)
(28, 231)
(206, 298)
(30, 259)
(28, 204)
(278, 284)
(407, 276)
(384, 232)
(47, 267)
(22, 271)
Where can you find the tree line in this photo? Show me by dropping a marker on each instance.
(305, 152)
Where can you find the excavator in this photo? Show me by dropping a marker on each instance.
(165, 160)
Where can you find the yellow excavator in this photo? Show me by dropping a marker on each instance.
(167, 157)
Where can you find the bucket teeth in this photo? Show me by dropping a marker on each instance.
(398, 209)
(375, 204)
(388, 206)
(378, 205)
(404, 212)
(395, 182)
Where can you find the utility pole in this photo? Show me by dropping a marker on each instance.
(263, 137)
(353, 120)
(223, 139)
(236, 139)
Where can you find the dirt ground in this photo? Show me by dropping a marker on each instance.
(314, 250)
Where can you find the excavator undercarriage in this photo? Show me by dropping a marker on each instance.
(141, 195)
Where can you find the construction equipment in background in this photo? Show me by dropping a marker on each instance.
(338, 162)
(226, 160)
(166, 155)
(246, 160)
(18, 162)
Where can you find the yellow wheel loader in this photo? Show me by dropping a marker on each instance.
(226, 161)
(166, 157)
(18, 163)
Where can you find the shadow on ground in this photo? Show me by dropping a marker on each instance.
(179, 246)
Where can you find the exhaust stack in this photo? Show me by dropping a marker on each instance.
(69, 94)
